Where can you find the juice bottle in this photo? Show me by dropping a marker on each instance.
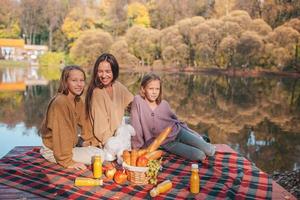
(161, 188)
(97, 167)
(81, 181)
(194, 180)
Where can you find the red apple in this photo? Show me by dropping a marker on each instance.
(120, 177)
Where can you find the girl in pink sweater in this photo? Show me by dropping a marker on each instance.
(150, 115)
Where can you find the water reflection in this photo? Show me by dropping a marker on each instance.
(258, 117)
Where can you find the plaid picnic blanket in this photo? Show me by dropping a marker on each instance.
(227, 175)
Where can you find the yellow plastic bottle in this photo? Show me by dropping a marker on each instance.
(161, 188)
(97, 167)
(81, 181)
(194, 180)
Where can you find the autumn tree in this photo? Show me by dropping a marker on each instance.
(240, 17)
(283, 44)
(54, 13)
(164, 13)
(185, 27)
(249, 49)
(78, 20)
(175, 52)
(143, 43)
(31, 18)
(89, 46)
(205, 39)
(226, 51)
(113, 16)
(120, 50)
(9, 23)
(260, 27)
(137, 14)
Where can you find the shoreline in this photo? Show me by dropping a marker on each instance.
(218, 71)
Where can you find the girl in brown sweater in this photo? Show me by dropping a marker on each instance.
(64, 120)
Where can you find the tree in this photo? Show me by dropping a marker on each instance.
(9, 23)
(54, 13)
(78, 20)
(143, 43)
(227, 51)
(164, 13)
(206, 37)
(240, 17)
(120, 50)
(249, 47)
(89, 46)
(185, 27)
(286, 39)
(137, 14)
(31, 18)
(260, 27)
(174, 51)
(113, 16)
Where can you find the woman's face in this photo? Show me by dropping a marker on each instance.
(152, 90)
(105, 74)
(75, 82)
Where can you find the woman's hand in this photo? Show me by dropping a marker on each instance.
(78, 166)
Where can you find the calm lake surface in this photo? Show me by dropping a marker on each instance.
(258, 117)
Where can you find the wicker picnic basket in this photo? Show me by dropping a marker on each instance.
(136, 175)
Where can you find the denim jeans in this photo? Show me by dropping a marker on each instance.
(190, 145)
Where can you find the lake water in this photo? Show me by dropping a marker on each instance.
(258, 117)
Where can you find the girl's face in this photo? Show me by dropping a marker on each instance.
(75, 82)
(152, 90)
(105, 74)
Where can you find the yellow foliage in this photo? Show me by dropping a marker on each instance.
(75, 23)
(137, 14)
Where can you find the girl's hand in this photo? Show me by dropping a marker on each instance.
(78, 166)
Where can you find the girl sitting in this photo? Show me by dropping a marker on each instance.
(64, 117)
(150, 115)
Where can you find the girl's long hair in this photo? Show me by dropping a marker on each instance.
(146, 80)
(95, 81)
(62, 89)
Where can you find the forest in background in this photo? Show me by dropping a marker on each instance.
(225, 34)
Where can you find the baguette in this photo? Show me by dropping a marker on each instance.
(142, 152)
(133, 157)
(154, 155)
(158, 141)
(126, 157)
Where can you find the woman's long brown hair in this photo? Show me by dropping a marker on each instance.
(95, 81)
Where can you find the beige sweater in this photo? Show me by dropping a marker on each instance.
(60, 131)
(107, 113)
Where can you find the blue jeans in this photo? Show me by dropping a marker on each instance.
(190, 145)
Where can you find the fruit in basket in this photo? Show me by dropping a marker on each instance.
(110, 171)
(120, 177)
(154, 167)
(158, 141)
(154, 155)
(142, 161)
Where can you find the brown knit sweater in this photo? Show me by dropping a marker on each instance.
(60, 130)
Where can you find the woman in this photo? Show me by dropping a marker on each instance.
(64, 120)
(106, 98)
